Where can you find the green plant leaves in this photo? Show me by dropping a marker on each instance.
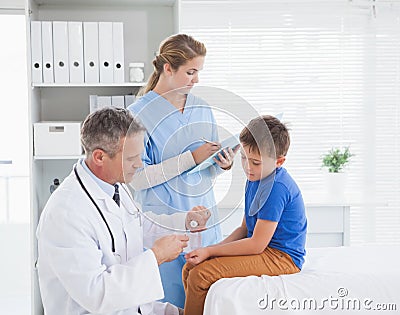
(335, 159)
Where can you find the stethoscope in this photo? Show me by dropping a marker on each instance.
(101, 213)
(193, 224)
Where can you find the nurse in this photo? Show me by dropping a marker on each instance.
(181, 133)
(90, 234)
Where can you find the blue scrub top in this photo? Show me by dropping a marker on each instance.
(170, 133)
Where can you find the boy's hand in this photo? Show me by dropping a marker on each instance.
(197, 256)
(225, 160)
(197, 218)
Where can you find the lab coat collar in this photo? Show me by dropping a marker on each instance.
(127, 199)
(106, 187)
(98, 194)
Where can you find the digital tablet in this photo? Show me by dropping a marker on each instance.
(231, 142)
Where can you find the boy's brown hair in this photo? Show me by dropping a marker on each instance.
(266, 134)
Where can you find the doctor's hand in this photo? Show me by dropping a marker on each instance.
(197, 256)
(204, 151)
(169, 247)
(197, 218)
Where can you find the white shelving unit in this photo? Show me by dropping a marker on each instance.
(58, 157)
(67, 85)
(146, 24)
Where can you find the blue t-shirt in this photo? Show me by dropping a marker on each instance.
(279, 199)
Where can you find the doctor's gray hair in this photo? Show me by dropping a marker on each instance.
(104, 128)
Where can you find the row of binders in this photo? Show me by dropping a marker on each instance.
(122, 101)
(77, 52)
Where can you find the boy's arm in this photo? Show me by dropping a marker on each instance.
(238, 234)
(263, 232)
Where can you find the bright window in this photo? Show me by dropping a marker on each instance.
(15, 268)
(14, 121)
(333, 69)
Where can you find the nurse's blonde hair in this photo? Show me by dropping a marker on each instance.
(175, 50)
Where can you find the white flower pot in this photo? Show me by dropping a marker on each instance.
(335, 184)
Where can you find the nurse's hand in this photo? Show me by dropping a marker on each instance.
(225, 159)
(169, 247)
(197, 218)
(205, 151)
(197, 256)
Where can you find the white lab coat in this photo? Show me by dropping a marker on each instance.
(78, 273)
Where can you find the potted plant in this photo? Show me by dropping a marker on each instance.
(335, 161)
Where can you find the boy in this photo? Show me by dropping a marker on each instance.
(272, 236)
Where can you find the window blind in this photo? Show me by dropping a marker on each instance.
(333, 69)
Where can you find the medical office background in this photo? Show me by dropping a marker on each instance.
(331, 67)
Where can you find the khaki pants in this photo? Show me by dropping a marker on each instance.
(198, 279)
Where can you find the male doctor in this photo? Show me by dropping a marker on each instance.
(90, 234)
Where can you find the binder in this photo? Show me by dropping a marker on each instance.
(103, 101)
(129, 99)
(47, 52)
(118, 101)
(91, 51)
(75, 51)
(92, 103)
(106, 52)
(118, 52)
(60, 42)
(36, 51)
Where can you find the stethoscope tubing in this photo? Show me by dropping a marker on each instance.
(192, 223)
(97, 207)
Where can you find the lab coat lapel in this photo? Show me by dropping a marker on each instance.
(127, 199)
(100, 197)
(131, 224)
